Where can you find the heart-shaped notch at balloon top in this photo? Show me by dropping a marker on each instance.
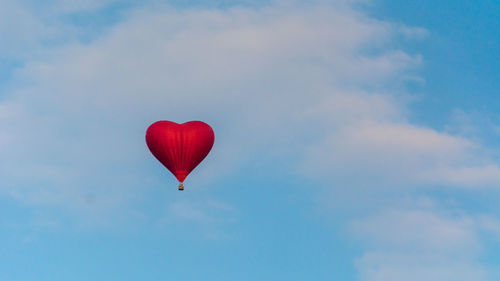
(180, 147)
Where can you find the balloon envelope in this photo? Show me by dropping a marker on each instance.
(180, 147)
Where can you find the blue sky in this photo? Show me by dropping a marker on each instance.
(355, 140)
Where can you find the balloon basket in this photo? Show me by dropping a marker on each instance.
(181, 187)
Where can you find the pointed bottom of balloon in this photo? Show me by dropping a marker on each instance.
(181, 187)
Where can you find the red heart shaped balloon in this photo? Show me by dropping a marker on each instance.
(180, 147)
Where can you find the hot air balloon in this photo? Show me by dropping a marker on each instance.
(180, 147)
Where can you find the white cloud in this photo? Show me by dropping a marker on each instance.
(395, 267)
(275, 79)
(395, 154)
(423, 243)
(20, 29)
(421, 230)
(28, 29)
(263, 70)
(273, 71)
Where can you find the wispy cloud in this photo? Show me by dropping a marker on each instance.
(266, 68)
(274, 70)
(423, 242)
(400, 154)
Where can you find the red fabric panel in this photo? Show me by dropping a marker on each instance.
(180, 147)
